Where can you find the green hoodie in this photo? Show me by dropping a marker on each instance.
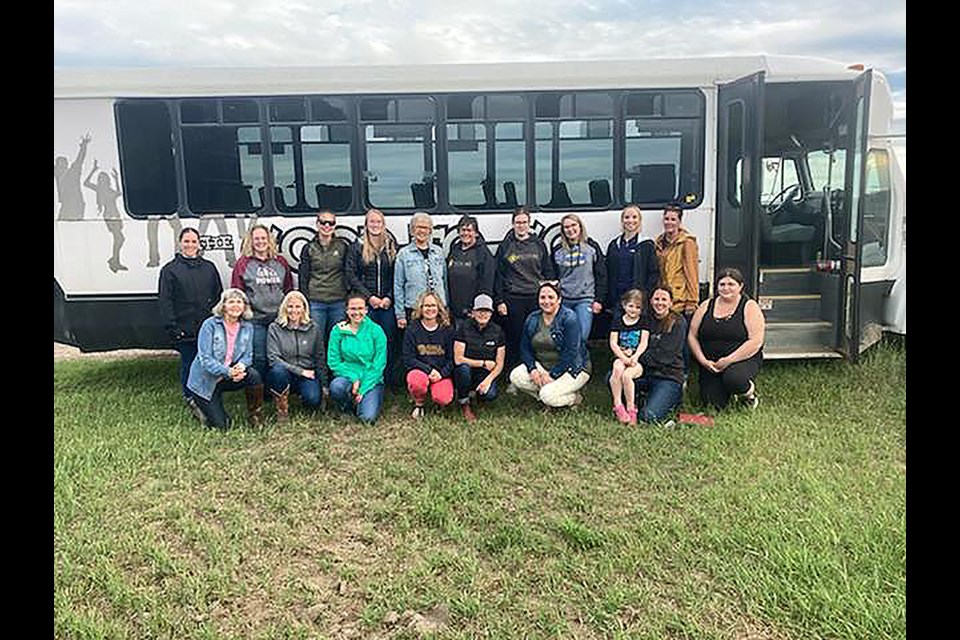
(358, 356)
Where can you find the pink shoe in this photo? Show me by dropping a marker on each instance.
(621, 413)
(632, 416)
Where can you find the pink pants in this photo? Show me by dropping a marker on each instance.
(441, 392)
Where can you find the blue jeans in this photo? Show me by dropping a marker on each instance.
(369, 407)
(279, 378)
(663, 396)
(213, 408)
(584, 311)
(260, 347)
(387, 319)
(188, 352)
(466, 379)
(327, 314)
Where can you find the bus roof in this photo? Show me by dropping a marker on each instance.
(438, 78)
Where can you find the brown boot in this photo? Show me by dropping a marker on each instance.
(468, 413)
(282, 401)
(254, 405)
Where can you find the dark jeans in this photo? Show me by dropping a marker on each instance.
(387, 320)
(663, 396)
(188, 352)
(466, 379)
(260, 347)
(518, 308)
(213, 408)
(325, 315)
(279, 378)
(716, 388)
(369, 407)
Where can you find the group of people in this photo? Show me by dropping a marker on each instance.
(465, 317)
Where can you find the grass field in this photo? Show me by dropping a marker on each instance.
(787, 522)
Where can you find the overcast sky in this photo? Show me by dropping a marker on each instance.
(125, 33)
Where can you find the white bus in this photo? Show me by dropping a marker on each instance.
(784, 167)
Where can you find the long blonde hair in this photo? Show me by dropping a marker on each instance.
(443, 316)
(583, 231)
(246, 247)
(282, 311)
(368, 250)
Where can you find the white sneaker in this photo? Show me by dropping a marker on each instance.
(751, 398)
(512, 389)
(417, 413)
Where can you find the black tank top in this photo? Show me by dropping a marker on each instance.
(720, 337)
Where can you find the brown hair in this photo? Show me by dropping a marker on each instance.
(665, 324)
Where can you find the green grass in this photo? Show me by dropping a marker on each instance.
(787, 522)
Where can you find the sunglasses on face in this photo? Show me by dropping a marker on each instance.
(326, 223)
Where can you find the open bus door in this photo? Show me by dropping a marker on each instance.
(852, 258)
(739, 153)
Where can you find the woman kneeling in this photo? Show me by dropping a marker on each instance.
(662, 379)
(357, 355)
(555, 362)
(296, 354)
(428, 353)
(223, 362)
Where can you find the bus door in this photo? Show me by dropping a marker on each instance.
(739, 154)
(852, 256)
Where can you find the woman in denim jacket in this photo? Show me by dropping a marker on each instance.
(555, 362)
(420, 267)
(223, 362)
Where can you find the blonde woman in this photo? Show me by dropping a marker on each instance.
(428, 353)
(223, 362)
(369, 273)
(582, 272)
(631, 259)
(265, 276)
(295, 349)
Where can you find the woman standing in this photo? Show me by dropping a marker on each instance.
(428, 353)
(223, 362)
(555, 362)
(420, 267)
(726, 338)
(631, 259)
(582, 272)
(677, 256)
(296, 354)
(189, 287)
(523, 263)
(356, 355)
(265, 276)
(322, 273)
(369, 271)
(662, 362)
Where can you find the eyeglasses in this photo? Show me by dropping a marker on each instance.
(326, 223)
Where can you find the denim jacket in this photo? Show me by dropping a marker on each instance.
(410, 276)
(565, 332)
(208, 369)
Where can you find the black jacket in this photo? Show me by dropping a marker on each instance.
(469, 273)
(521, 267)
(646, 270)
(373, 279)
(189, 289)
(664, 355)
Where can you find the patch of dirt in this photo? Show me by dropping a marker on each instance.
(66, 352)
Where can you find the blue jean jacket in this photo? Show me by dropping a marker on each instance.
(208, 369)
(565, 332)
(410, 277)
